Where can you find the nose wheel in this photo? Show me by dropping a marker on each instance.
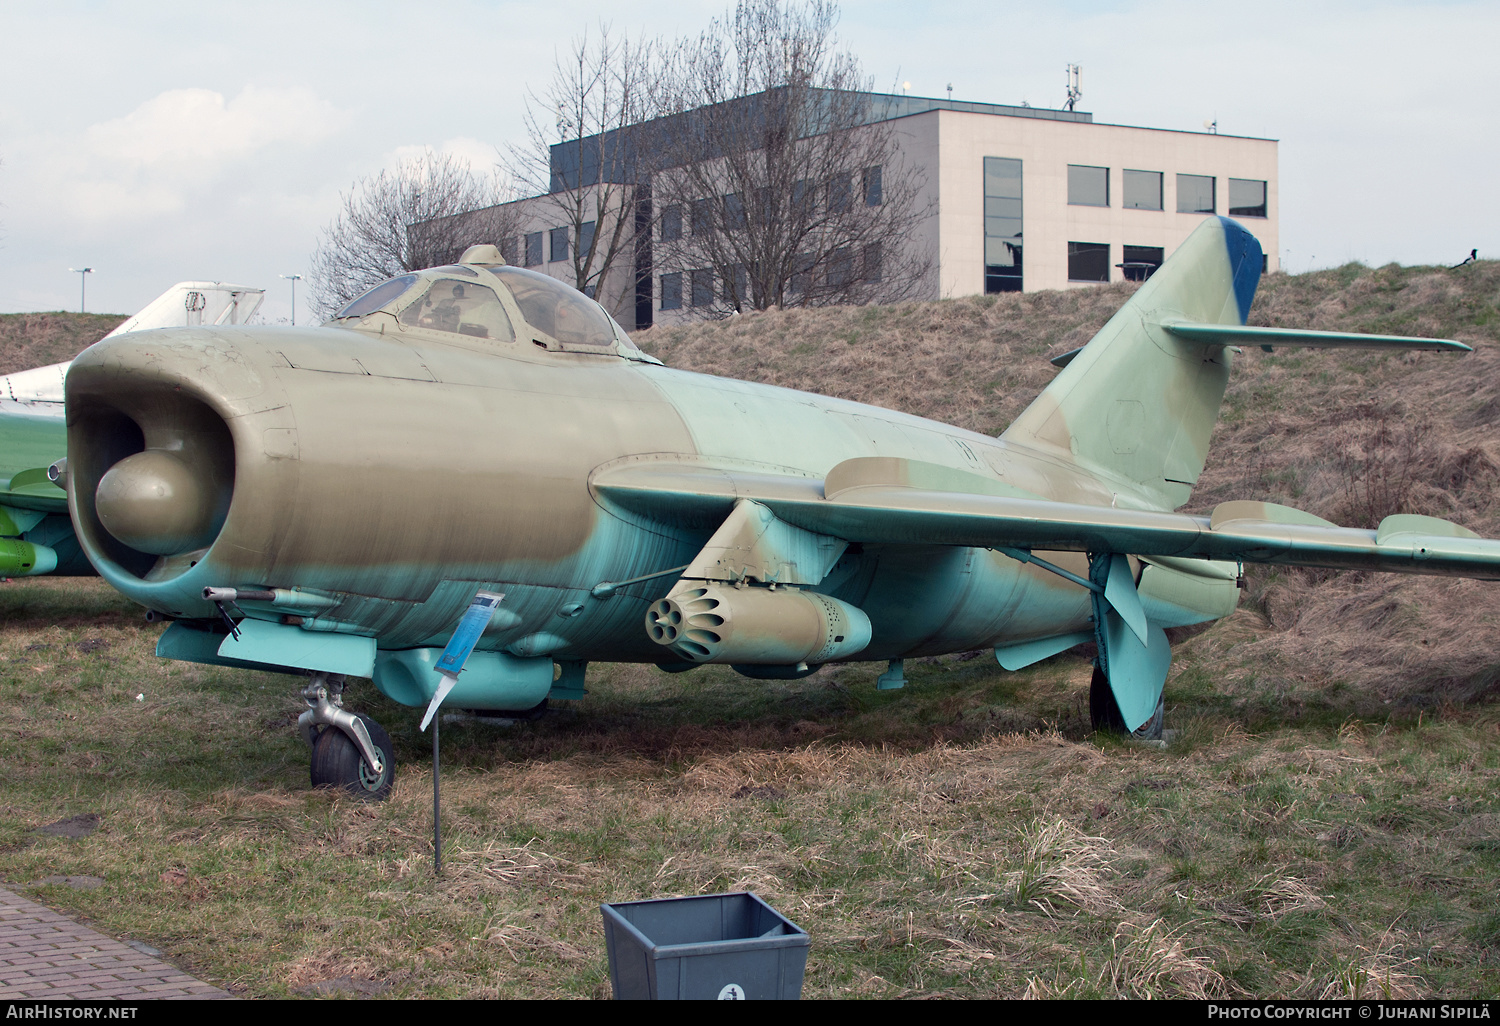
(350, 751)
(337, 762)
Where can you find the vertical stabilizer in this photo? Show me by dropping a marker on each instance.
(1137, 405)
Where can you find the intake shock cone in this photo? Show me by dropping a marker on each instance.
(153, 502)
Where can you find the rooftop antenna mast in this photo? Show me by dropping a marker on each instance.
(1075, 85)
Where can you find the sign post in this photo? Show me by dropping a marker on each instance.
(475, 619)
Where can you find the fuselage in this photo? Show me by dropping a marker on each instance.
(393, 470)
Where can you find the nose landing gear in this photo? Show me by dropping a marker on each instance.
(349, 750)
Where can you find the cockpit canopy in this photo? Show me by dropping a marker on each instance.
(502, 304)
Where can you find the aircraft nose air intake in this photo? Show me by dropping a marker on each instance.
(154, 502)
(151, 472)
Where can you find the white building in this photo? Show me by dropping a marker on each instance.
(1016, 199)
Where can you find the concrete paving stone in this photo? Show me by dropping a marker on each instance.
(45, 955)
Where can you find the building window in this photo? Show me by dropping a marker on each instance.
(671, 291)
(510, 249)
(803, 198)
(558, 244)
(671, 223)
(703, 217)
(1142, 190)
(734, 212)
(533, 249)
(841, 268)
(802, 268)
(1141, 262)
(765, 206)
(1088, 261)
(871, 183)
(841, 193)
(737, 288)
(1195, 194)
(1088, 186)
(1002, 224)
(703, 287)
(1247, 198)
(586, 239)
(871, 269)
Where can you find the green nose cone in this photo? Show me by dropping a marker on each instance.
(153, 502)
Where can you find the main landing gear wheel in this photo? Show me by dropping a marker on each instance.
(336, 762)
(1104, 711)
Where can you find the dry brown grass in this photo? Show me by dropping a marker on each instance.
(999, 862)
(38, 339)
(1062, 866)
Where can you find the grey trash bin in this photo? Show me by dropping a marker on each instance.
(731, 946)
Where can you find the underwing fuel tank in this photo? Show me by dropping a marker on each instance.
(709, 622)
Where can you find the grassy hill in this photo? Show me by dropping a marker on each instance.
(37, 339)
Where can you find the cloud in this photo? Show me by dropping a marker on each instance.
(480, 155)
(172, 148)
(184, 129)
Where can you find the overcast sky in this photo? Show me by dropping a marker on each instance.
(165, 141)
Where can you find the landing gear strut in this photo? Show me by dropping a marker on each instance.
(349, 750)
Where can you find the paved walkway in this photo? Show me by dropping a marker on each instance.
(44, 955)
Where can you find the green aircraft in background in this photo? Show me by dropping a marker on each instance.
(327, 501)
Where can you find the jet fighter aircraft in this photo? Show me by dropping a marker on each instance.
(327, 501)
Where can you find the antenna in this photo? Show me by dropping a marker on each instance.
(905, 88)
(950, 92)
(1212, 126)
(1075, 85)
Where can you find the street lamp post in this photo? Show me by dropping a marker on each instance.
(82, 286)
(294, 279)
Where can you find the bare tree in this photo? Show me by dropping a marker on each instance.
(423, 213)
(589, 180)
(785, 185)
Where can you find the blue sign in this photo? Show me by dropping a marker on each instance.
(461, 645)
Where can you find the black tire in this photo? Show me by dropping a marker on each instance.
(1104, 711)
(336, 762)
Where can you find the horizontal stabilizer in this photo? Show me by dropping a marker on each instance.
(1268, 338)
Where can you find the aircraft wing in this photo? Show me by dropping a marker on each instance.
(28, 445)
(897, 501)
